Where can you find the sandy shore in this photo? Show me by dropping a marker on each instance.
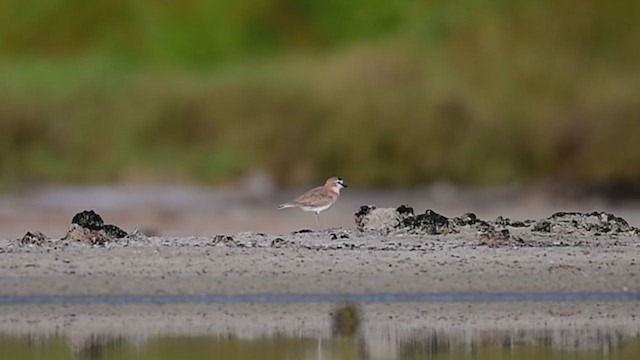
(333, 261)
(599, 255)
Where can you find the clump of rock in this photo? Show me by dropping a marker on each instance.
(402, 219)
(384, 220)
(225, 240)
(596, 223)
(500, 232)
(86, 227)
(34, 238)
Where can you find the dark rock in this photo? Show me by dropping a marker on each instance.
(495, 238)
(279, 242)
(362, 214)
(88, 220)
(484, 226)
(224, 240)
(611, 223)
(430, 223)
(89, 228)
(504, 222)
(303, 231)
(382, 220)
(339, 235)
(34, 238)
(466, 219)
(594, 222)
(403, 220)
(403, 210)
(561, 214)
(542, 226)
(518, 223)
(114, 231)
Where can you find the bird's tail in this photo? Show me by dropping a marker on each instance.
(285, 205)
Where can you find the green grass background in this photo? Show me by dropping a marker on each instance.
(383, 93)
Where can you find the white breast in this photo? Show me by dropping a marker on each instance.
(317, 209)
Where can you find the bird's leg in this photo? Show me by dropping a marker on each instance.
(318, 220)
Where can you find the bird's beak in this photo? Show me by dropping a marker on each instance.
(344, 185)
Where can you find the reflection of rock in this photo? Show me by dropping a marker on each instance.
(92, 346)
(34, 238)
(88, 227)
(391, 331)
(399, 342)
(345, 320)
(430, 343)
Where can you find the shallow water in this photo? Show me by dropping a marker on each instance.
(317, 298)
(432, 345)
(568, 326)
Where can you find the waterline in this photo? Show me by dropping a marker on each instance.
(317, 298)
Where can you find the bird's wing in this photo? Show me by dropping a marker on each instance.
(316, 196)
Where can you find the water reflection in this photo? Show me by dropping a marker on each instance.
(528, 331)
(424, 344)
(345, 320)
(521, 344)
(93, 346)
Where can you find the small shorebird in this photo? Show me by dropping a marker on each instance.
(318, 199)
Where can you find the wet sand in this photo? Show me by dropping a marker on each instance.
(314, 263)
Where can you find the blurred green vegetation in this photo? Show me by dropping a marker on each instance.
(378, 92)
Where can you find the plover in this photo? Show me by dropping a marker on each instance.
(318, 199)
